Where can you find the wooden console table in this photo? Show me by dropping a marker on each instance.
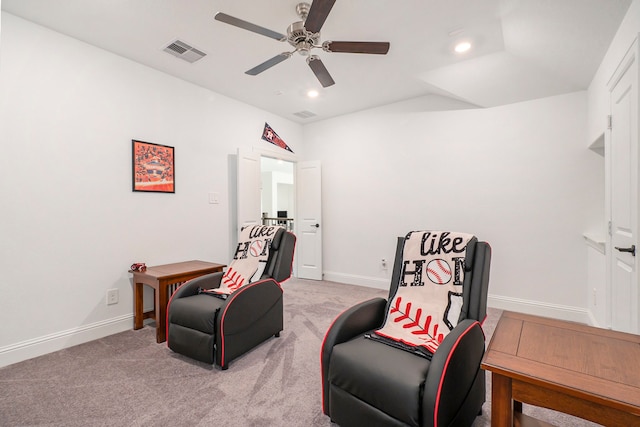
(580, 370)
(160, 278)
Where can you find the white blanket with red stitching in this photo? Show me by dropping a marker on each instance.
(428, 302)
(249, 260)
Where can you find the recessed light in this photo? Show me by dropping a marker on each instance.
(312, 93)
(462, 47)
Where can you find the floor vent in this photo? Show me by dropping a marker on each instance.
(182, 50)
(304, 114)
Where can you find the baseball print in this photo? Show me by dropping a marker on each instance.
(438, 271)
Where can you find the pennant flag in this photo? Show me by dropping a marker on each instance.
(269, 135)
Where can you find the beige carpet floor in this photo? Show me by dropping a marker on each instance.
(128, 380)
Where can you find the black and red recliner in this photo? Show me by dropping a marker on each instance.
(368, 383)
(215, 330)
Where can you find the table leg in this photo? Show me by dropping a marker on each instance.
(517, 406)
(501, 401)
(161, 312)
(138, 297)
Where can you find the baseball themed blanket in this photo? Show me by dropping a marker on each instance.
(428, 301)
(249, 260)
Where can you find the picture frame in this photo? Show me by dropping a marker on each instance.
(153, 167)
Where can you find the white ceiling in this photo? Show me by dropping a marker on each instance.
(523, 49)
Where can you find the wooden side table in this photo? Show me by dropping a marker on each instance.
(584, 371)
(160, 277)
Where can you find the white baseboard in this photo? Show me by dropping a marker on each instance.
(593, 321)
(60, 340)
(352, 279)
(544, 309)
(556, 311)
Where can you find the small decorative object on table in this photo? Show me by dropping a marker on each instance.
(139, 266)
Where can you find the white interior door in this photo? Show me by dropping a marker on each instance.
(309, 220)
(248, 190)
(624, 195)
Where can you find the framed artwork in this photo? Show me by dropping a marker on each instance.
(153, 167)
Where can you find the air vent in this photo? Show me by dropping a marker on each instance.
(184, 51)
(304, 114)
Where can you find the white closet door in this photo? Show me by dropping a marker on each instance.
(309, 220)
(624, 194)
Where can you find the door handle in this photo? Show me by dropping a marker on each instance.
(631, 250)
(315, 225)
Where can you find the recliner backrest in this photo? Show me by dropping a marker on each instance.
(476, 282)
(479, 289)
(280, 260)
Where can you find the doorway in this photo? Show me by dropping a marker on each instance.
(298, 191)
(277, 192)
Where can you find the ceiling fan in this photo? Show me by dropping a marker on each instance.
(304, 36)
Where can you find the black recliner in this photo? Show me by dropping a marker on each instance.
(368, 383)
(215, 330)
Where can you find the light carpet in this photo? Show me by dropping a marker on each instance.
(128, 380)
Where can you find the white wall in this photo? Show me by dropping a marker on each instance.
(71, 226)
(517, 176)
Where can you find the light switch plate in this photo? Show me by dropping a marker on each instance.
(112, 296)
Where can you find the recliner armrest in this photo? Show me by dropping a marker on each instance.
(208, 281)
(454, 366)
(246, 305)
(243, 310)
(356, 320)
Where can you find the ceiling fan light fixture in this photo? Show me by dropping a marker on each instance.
(304, 48)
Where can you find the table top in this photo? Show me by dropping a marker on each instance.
(599, 365)
(176, 269)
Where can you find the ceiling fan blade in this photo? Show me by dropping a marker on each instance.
(320, 71)
(378, 48)
(268, 64)
(318, 14)
(228, 19)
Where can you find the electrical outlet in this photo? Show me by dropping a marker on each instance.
(112, 296)
(383, 263)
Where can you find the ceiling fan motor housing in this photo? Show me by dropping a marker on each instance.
(301, 39)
